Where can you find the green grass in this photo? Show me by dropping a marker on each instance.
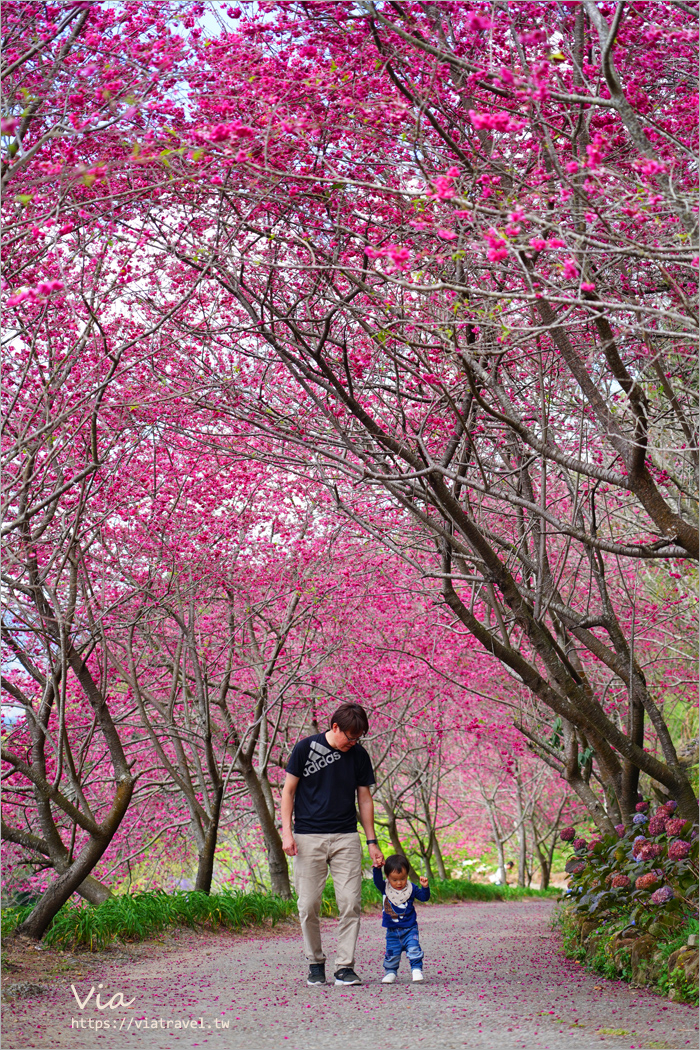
(461, 890)
(137, 916)
(12, 917)
(598, 957)
(677, 979)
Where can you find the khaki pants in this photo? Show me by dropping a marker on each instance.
(343, 855)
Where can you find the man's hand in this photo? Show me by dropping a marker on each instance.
(288, 844)
(286, 812)
(423, 881)
(376, 856)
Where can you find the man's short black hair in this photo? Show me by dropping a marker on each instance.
(351, 718)
(396, 863)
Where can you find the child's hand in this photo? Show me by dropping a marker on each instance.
(423, 881)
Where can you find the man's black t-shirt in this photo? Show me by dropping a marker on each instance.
(324, 802)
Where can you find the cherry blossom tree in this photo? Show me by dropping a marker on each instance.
(425, 269)
(519, 797)
(217, 642)
(55, 760)
(470, 247)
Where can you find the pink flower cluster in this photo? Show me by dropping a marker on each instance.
(621, 881)
(400, 257)
(479, 21)
(498, 249)
(580, 844)
(663, 895)
(678, 850)
(495, 121)
(657, 825)
(645, 882)
(234, 130)
(650, 850)
(595, 150)
(443, 188)
(675, 826)
(567, 834)
(651, 167)
(42, 289)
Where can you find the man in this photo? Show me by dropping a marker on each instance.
(323, 774)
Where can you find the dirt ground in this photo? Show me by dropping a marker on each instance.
(495, 979)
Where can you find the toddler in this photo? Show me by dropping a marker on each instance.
(399, 916)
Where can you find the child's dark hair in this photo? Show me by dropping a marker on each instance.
(396, 863)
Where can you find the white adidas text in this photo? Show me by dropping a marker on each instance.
(320, 763)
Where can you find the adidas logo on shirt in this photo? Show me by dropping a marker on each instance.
(319, 757)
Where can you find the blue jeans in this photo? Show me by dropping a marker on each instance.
(402, 939)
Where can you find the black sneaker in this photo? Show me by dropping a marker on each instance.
(317, 973)
(346, 975)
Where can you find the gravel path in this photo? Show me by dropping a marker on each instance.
(495, 979)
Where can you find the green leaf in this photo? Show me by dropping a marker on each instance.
(585, 756)
(555, 739)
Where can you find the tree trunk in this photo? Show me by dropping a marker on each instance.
(442, 873)
(276, 857)
(94, 891)
(267, 793)
(392, 828)
(37, 922)
(91, 888)
(687, 803)
(522, 836)
(543, 861)
(499, 845)
(425, 851)
(205, 867)
(433, 845)
(501, 862)
(630, 772)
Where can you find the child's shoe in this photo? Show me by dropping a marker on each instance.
(389, 977)
(417, 975)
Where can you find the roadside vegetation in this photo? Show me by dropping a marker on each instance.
(138, 916)
(631, 909)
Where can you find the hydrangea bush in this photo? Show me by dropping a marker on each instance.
(645, 873)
